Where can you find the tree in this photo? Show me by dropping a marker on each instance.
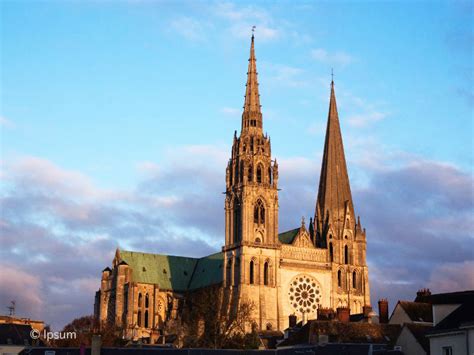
(212, 319)
(87, 326)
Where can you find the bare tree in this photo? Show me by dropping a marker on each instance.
(212, 320)
(85, 327)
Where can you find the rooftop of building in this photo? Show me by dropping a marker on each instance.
(15, 334)
(341, 332)
(417, 311)
(419, 331)
(446, 298)
(463, 316)
(177, 273)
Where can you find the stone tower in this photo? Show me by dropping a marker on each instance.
(251, 210)
(335, 225)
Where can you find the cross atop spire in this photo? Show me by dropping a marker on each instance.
(334, 195)
(252, 115)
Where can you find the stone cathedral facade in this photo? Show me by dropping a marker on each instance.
(296, 272)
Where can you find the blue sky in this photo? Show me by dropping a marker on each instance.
(115, 115)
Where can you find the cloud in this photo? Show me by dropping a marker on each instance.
(14, 283)
(241, 19)
(74, 226)
(337, 58)
(361, 120)
(231, 111)
(285, 75)
(236, 20)
(452, 276)
(360, 112)
(413, 213)
(190, 28)
(4, 122)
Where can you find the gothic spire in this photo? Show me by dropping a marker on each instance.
(334, 195)
(252, 115)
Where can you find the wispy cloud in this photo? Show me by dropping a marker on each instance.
(242, 18)
(362, 120)
(190, 28)
(361, 112)
(285, 75)
(231, 111)
(336, 58)
(4, 122)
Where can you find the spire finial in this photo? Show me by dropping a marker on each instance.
(253, 30)
(332, 77)
(252, 115)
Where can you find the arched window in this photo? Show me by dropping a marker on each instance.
(331, 253)
(146, 319)
(251, 272)
(250, 174)
(146, 301)
(354, 280)
(339, 278)
(270, 175)
(236, 271)
(241, 175)
(346, 255)
(139, 318)
(237, 220)
(265, 273)
(140, 298)
(259, 173)
(259, 213)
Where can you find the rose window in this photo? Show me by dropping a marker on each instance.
(304, 294)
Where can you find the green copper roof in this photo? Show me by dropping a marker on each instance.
(288, 236)
(169, 272)
(208, 271)
(175, 273)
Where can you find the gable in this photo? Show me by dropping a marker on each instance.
(288, 236)
(408, 340)
(399, 316)
(302, 239)
(418, 311)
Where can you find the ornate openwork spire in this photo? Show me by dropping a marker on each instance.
(252, 115)
(334, 195)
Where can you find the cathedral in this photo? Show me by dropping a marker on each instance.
(297, 272)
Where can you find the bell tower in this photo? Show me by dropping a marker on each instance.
(251, 250)
(251, 176)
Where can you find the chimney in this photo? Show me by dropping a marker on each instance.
(366, 310)
(292, 320)
(383, 311)
(326, 313)
(424, 292)
(343, 314)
